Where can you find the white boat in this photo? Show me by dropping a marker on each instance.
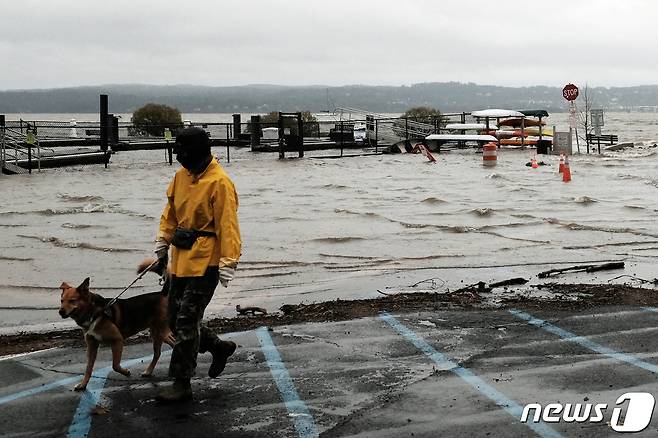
(270, 133)
(470, 126)
(460, 137)
(360, 133)
(496, 113)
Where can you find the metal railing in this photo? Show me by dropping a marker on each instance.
(15, 151)
(393, 128)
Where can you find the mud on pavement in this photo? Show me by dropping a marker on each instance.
(547, 296)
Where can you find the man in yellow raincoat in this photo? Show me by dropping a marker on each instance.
(200, 222)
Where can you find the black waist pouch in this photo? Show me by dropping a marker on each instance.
(184, 238)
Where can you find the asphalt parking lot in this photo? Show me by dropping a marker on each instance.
(444, 373)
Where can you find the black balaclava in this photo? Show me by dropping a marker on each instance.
(192, 148)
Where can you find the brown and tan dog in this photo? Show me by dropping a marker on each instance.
(114, 324)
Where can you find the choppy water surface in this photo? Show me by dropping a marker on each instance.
(320, 228)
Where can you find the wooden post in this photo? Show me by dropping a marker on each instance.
(29, 158)
(228, 152)
(300, 129)
(2, 145)
(342, 137)
(255, 131)
(282, 151)
(236, 126)
(103, 120)
(406, 128)
(376, 135)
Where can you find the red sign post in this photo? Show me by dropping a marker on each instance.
(570, 92)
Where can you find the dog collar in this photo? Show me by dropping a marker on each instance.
(86, 321)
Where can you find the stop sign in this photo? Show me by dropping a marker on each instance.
(570, 92)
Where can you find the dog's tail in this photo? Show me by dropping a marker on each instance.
(143, 266)
(161, 271)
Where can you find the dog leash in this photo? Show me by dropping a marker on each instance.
(139, 277)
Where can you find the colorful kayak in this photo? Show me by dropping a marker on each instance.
(517, 121)
(532, 130)
(518, 141)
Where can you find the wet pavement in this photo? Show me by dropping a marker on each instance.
(443, 373)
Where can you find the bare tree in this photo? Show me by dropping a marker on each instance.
(584, 113)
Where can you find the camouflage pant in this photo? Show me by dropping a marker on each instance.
(188, 298)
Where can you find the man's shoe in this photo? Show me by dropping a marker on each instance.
(221, 351)
(180, 391)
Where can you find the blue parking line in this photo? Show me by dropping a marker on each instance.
(38, 390)
(81, 423)
(102, 373)
(302, 419)
(583, 341)
(512, 408)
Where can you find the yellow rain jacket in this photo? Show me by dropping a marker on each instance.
(205, 202)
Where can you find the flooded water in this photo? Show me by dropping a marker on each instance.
(318, 229)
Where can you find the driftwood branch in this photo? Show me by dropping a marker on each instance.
(586, 268)
(510, 282)
(250, 310)
(480, 286)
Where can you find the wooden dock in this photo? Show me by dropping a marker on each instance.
(59, 159)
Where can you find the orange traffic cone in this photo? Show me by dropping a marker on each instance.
(533, 163)
(561, 163)
(566, 170)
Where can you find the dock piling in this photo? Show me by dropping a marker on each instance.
(236, 126)
(255, 130)
(300, 131)
(103, 122)
(2, 142)
(228, 136)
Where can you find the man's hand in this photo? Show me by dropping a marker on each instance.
(162, 253)
(226, 274)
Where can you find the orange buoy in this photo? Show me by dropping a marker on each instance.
(533, 163)
(566, 170)
(490, 154)
(561, 169)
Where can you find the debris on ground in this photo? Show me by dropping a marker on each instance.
(480, 286)
(250, 310)
(511, 282)
(586, 268)
(99, 410)
(548, 296)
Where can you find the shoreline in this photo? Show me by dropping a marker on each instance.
(548, 296)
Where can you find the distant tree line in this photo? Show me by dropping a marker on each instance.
(449, 96)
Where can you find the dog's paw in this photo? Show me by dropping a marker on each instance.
(122, 371)
(147, 374)
(80, 387)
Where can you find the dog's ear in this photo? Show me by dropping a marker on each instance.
(84, 286)
(64, 286)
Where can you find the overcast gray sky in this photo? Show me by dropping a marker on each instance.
(45, 44)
